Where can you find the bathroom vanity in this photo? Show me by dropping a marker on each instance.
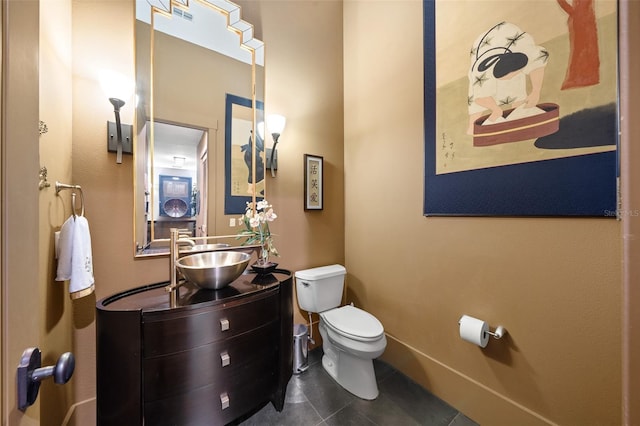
(216, 357)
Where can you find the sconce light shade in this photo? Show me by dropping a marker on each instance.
(118, 88)
(261, 130)
(275, 124)
(116, 85)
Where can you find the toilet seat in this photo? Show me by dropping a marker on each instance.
(354, 323)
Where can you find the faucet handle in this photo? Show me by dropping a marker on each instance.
(171, 287)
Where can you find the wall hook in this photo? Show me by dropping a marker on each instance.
(43, 178)
(42, 127)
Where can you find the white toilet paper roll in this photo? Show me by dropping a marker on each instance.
(474, 331)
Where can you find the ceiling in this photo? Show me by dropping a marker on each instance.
(175, 141)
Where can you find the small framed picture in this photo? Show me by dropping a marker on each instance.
(313, 186)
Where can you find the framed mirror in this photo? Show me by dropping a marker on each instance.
(191, 56)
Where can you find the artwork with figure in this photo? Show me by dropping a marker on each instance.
(247, 156)
(239, 179)
(241, 141)
(512, 85)
(503, 60)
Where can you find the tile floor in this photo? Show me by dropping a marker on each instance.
(314, 398)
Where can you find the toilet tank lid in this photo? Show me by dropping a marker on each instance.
(321, 272)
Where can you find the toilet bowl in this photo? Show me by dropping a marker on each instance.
(351, 340)
(351, 337)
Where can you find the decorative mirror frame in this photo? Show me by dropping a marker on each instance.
(255, 47)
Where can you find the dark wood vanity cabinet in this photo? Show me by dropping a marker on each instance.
(216, 357)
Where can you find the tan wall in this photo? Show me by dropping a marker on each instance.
(555, 284)
(55, 155)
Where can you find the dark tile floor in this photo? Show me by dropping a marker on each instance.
(314, 398)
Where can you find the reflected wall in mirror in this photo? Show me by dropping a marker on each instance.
(185, 68)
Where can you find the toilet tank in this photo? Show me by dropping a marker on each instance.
(320, 289)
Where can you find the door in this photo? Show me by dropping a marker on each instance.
(201, 197)
(19, 296)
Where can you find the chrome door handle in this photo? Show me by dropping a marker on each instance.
(31, 372)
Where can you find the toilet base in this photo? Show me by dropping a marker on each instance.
(356, 375)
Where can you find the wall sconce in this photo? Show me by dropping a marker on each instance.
(275, 124)
(119, 136)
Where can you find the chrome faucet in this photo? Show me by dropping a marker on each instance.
(177, 238)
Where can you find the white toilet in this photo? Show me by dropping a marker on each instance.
(351, 337)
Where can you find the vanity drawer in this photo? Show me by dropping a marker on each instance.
(223, 364)
(211, 405)
(165, 334)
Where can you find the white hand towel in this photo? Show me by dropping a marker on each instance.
(65, 246)
(75, 262)
(82, 260)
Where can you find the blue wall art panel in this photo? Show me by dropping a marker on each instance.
(240, 182)
(521, 112)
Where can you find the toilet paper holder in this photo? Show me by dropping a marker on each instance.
(498, 333)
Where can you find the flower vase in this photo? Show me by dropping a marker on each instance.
(264, 255)
(263, 265)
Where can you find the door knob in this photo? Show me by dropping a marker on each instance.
(31, 373)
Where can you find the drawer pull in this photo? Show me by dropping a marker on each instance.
(225, 358)
(224, 324)
(224, 400)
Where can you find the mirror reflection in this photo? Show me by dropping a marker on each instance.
(180, 168)
(186, 69)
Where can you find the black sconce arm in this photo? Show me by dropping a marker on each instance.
(117, 104)
(275, 136)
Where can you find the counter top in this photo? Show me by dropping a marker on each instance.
(154, 297)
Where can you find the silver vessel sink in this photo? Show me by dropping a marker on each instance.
(213, 270)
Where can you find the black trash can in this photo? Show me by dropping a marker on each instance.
(300, 348)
